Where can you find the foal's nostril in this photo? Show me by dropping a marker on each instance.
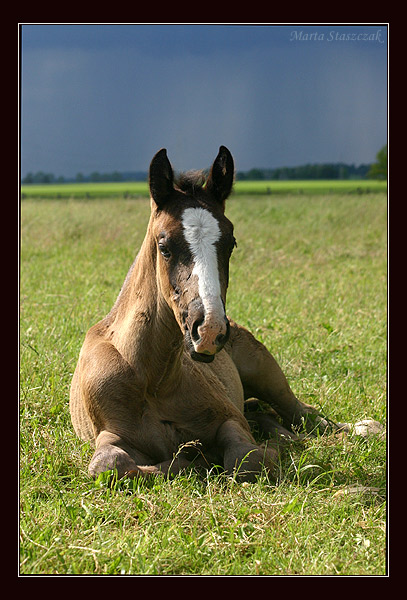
(222, 338)
(194, 330)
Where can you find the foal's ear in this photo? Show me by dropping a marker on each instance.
(161, 178)
(220, 179)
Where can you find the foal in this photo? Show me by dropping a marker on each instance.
(167, 367)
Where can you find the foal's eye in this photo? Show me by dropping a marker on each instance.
(164, 250)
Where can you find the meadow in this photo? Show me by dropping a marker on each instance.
(135, 189)
(309, 279)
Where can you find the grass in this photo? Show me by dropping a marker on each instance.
(136, 189)
(309, 279)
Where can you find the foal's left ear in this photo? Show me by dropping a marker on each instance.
(161, 178)
(220, 179)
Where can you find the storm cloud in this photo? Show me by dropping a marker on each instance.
(107, 97)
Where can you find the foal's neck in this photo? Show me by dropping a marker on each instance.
(146, 332)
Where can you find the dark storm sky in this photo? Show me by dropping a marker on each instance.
(107, 97)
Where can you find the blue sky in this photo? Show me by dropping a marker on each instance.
(107, 97)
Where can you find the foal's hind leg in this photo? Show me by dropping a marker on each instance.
(262, 378)
(266, 421)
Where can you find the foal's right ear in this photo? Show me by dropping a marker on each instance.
(161, 178)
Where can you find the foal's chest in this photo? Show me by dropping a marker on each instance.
(219, 379)
(208, 395)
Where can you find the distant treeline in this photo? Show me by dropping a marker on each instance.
(318, 171)
(41, 177)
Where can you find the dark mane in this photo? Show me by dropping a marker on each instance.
(190, 181)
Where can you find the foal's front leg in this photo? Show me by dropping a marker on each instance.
(262, 378)
(241, 456)
(112, 452)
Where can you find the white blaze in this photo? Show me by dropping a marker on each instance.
(201, 231)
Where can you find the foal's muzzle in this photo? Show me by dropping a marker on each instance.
(205, 334)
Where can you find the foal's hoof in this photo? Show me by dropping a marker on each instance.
(256, 461)
(315, 423)
(143, 472)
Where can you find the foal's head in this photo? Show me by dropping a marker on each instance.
(194, 241)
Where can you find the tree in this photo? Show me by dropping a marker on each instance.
(29, 178)
(255, 174)
(378, 170)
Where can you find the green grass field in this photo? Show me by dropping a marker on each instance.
(140, 188)
(309, 279)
